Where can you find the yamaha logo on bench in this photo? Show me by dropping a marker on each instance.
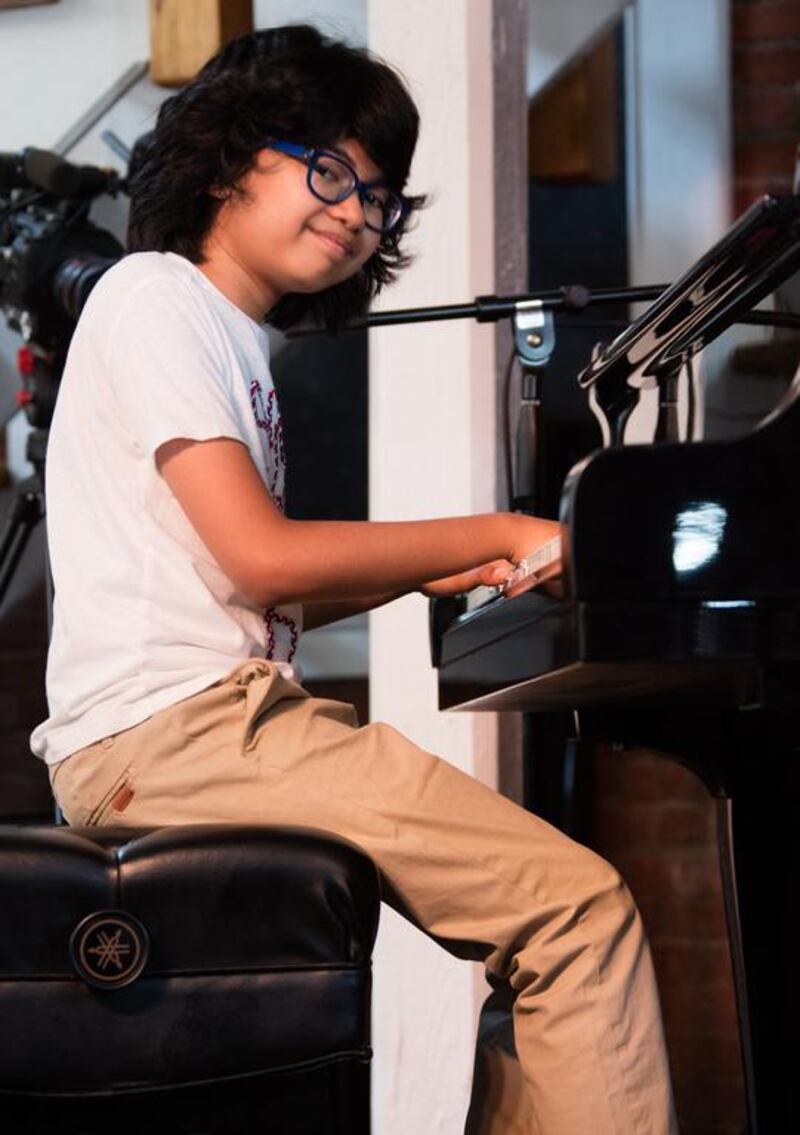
(109, 949)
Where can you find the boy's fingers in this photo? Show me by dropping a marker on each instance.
(498, 573)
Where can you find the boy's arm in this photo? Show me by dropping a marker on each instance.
(274, 560)
(490, 575)
(320, 614)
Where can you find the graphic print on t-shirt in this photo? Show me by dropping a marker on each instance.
(268, 419)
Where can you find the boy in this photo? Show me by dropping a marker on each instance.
(273, 190)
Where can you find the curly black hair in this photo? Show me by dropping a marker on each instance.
(286, 82)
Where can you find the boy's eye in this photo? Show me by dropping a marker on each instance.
(330, 171)
(377, 200)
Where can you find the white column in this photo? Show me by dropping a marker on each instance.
(679, 158)
(680, 149)
(432, 430)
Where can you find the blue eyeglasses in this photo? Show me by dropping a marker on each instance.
(331, 179)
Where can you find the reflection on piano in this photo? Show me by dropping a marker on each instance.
(679, 626)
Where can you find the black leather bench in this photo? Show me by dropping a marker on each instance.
(190, 980)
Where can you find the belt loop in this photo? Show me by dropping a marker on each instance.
(257, 670)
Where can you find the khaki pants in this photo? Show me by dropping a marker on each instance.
(553, 924)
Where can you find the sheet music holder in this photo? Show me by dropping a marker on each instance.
(759, 252)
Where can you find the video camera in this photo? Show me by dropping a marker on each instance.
(51, 256)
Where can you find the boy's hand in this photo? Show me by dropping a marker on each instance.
(493, 574)
(527, 534)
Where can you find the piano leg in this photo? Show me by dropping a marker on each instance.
(756, 819)
(557, 778)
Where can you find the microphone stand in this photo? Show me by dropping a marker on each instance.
(534, 341)
(570, 298)
(533, 328)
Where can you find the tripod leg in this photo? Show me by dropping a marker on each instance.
(25, 514)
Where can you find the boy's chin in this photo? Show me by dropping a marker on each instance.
(321, 283)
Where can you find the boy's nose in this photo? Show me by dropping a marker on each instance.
(350, 211)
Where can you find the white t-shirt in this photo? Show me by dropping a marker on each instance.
(144, 616)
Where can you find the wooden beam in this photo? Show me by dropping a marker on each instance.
(572, 123)
(184, 34)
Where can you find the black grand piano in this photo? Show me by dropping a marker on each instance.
(679, 625)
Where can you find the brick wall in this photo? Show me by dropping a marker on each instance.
(656, 822)
(24, 789)
(766, 96)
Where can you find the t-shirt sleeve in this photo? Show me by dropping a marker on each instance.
(168, 368)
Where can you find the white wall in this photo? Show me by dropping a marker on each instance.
(559, 29)
(679, 202)
(432, 454)
(343, 19)
(679, 144)
(56, 60)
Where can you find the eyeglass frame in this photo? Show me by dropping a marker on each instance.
(308, 154)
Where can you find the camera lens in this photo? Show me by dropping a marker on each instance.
(74, 279)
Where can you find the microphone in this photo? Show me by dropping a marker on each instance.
(56, 175)
(45, 170)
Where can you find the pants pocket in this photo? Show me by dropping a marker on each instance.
(111, 807)
(94, 784)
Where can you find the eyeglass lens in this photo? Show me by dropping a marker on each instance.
(332, 181)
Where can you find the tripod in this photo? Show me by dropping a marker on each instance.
(25, 513)
(27, 509)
